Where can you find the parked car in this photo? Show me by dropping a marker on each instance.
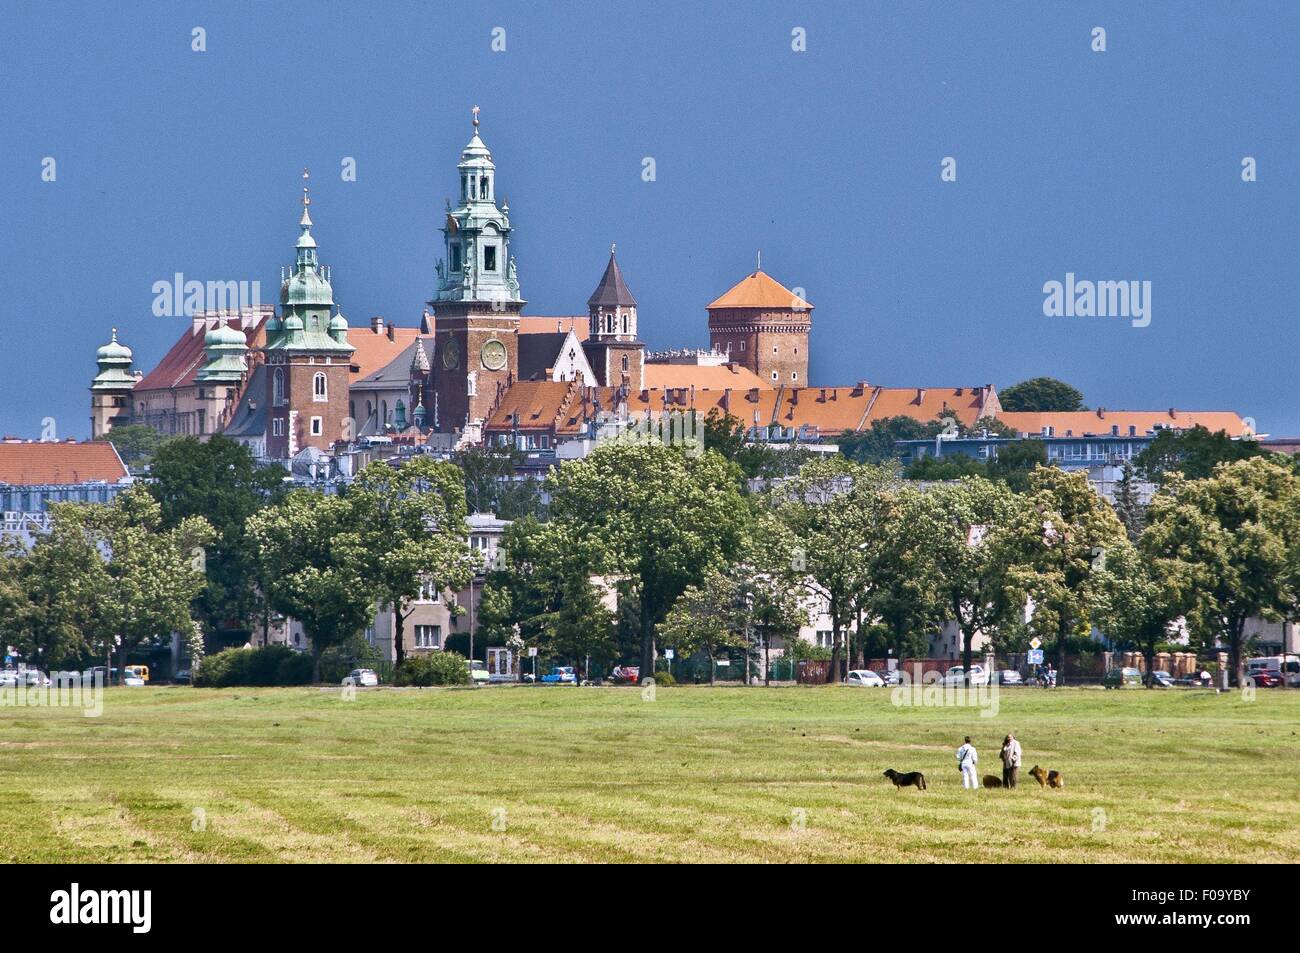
(1122, 678)
(1162, 680)
(561, 675)
(891, 677)
(1265, 679)
(957, 675)
(140, 671)
(478, 672)
(183, 677)
(1007, 676)
(865, 678)
(132, 680)
(1196, 680)
(365, 677)
(26, 677)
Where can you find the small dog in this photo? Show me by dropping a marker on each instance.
(913, 779)
(1050, 779)
(992, 781)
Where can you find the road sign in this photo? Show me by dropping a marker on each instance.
(1035, 656)
(669, 653)
(724, 661)
(1035, 643)
(532, 651)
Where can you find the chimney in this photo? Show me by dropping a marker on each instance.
(377, 324)
(1101, 413)
(390, 331)
(1172, 412)
(920, 396)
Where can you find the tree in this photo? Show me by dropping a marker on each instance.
(725, 435)
(135, 443)
(407, 531)
(964, 515)
(1193, 453)
(1128, 505)
(48, 594)
(1133, 604)
(220, 481)
(829, 508)
(1015, 461)
(770, 586)
(1227, 546)
(1048, 551)
(1041, 394)
(652, 514)
(878, 444)
(952, 466)
(150, 574)
(703, 619)
(311, 576)
(902, 590)
(491, 483)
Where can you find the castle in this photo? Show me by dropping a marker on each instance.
(300, 382)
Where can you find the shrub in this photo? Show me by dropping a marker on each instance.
(436, 668)
(295, 670)
(254, 667)
(665, 678)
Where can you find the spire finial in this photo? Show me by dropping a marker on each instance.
(475, 112)
(759, 266)
(115, 335)
(611, 249)
(306, 197)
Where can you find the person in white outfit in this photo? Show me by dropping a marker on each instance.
(967, 759)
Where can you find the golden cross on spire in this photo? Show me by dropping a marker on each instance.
(475, 112)
(306, 198)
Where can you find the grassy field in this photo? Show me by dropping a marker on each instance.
(598, 774)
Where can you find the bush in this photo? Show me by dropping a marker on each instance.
(295, 670)
(254, 667)
(436, 668)
(665, 678)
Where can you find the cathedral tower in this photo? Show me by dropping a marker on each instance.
(763, 326)
(613, 349)
(477, 304)
(308, 357)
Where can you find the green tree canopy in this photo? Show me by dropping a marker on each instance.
(1193, 453)
(1041, 394)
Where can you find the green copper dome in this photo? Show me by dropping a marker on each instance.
(114, 362)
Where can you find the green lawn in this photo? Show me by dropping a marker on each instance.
(598, 774)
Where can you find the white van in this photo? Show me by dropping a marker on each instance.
(1285, 666)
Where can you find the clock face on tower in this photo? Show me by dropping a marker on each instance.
(451, 354)
(493, 355)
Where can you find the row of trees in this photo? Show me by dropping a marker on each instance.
(701, 566)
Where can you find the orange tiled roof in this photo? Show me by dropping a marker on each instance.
(542, 324)
(373, 352)
(760, 290)
(33, 464)
(1102, 422)
(711, 377)
(829, 411)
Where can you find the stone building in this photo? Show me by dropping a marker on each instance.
(764, 326)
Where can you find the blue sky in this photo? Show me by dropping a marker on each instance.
(1122, 165)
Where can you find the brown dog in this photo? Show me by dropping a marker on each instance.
(1050, 779)
(992, 781)
(914, 779)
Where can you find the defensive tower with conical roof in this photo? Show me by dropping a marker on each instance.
(764, 326)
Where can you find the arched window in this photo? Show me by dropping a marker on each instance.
(277, 386)
(319, 389)
(625, 362)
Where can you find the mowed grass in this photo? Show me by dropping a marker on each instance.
(598, 774)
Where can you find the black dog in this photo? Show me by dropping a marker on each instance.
(912, 779)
